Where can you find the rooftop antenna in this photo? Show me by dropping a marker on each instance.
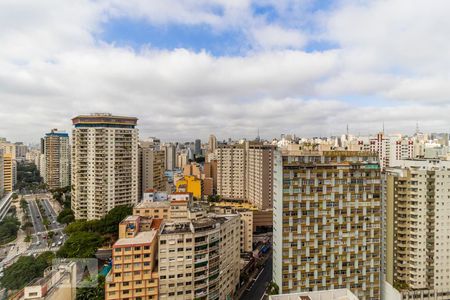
(417, 127)
(383, 127)
(347, 130)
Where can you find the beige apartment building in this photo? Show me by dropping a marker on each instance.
(56, 152)
(134, 273)
(2, 178)
(199, 259)
(104, 164)
(327, 219)
(231, 171)
(151, 169)
(259, 175)
(417, 228)
(8, 148)
(8, 172)
(245, 172)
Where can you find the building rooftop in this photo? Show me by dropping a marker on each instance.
(104, 119)
(143, 237)
(340, 294)
(149, 204)
(176, 227)
(131, 219)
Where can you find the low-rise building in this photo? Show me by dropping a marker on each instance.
(190, 184)
(58, 283)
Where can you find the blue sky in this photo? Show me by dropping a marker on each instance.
(139, 33)
(230, 41)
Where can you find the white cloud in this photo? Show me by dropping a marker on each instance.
(53, 67)
(275, 37)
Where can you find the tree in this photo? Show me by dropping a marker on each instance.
(81, 245)
(23, 204)
(273, 289)
(112, 219)
(106, 225)
(92, 293)
(8, 229)
(66, 216)
(24, 270)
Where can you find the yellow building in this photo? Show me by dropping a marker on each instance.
(134, 274)
(190, 184)
(8, 172)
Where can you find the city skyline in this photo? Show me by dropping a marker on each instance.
(309, 67)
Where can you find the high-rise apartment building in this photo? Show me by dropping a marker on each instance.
(199, 259)
(182, 159)
(417, 228)
(56, 151)
(210, 178)
(170, 153)
(8, 172)
(259, 175)
(390, 149)
(21, 151)
(2, 179)
(212, 143)
(327, 219)
(8, 148)
(231, 161)
(104, 164)
(245, 172)
(151, 169)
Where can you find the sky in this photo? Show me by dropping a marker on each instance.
(191, 68)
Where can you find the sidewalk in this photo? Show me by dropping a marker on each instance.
(55, 204)
(20, 246)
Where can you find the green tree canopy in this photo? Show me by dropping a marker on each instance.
(8, 229)
(66, 216)
(24, 270)
(80, 245)
(93, 293)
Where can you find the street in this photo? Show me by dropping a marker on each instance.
(40, 236)
(257, 289)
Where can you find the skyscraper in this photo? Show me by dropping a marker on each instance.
(104, 164)
(198, 147)
(327, 221)
(56, 151)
